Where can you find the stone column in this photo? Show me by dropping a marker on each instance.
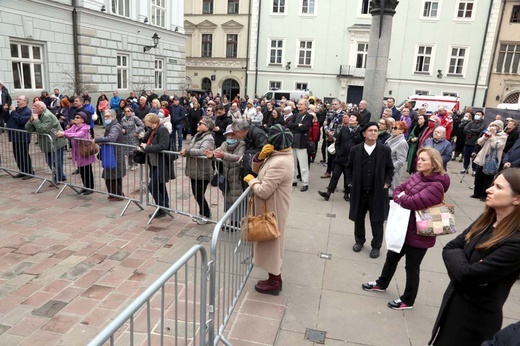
(382, 12)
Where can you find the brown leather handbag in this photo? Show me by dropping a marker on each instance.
(87, 148)
(261, 227)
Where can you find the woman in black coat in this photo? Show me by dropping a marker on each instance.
(161, 165)
(194, 116)
(483, 263)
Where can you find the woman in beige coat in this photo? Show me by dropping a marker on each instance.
(274, 165)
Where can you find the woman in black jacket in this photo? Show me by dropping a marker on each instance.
(156, 140)
(194, 116)
(483, 263)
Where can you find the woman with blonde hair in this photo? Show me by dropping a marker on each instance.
(423, 189)
(385, 127)
(483, 263)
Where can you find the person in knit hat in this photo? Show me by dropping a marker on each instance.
(492, 143)
(272, 188)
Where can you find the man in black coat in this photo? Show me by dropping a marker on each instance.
(369, 175)
(16, 119)
(390, 103)
(348, 136)
(255, 139)
(299, 125)
(177, 118)
(5, 103)
(143, 109)
(365, 114)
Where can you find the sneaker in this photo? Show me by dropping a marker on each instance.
(325, 176)
(372, 286)
(464, 171)
(199, 221)
(398, 305)
(472, 174)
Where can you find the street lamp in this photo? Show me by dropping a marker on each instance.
(156, 39)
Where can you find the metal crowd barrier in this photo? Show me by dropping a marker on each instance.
(131, 175)
(182, 194)
(171, 311)
(20, 156)
(231, 265)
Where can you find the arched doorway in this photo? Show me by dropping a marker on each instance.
(206, 84)
(230, 88)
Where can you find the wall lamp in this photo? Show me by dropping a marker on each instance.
(155, 39)
(103, 8)
(145, 20)
(288, 66)
(439, 74)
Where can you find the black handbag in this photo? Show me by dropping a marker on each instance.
(223, 184)
(139, 157)
(311, 148)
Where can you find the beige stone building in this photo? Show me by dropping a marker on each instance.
(504, 81)
(216, 45)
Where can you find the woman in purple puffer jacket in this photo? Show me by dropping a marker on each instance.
(422, 190)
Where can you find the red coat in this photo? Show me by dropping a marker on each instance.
(314, 131)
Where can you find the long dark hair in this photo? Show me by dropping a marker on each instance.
(508, 225)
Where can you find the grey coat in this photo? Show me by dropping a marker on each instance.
(199, 168)
(131, 125)
(114, 134)
(232, 153)
(399, 148)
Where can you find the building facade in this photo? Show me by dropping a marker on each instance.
(217, 44)
(91, 45)
(437, 47)
(504, 77)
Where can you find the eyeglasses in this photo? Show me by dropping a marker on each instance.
(382, 124)
(128, 111)
(77, 118)
(201, 123)
(396, 128)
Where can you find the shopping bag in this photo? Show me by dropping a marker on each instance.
(396, 226)
(108, 156)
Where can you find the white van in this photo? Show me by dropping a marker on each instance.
(288, 94)
(432, 102)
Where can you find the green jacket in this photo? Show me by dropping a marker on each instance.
(46, 124)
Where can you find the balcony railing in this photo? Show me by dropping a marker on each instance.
(351, 71)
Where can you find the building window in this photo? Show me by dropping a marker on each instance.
(465, 9)
(232, 6)
(365, 6)
(302, 86)
(308, 7)
(423, 60)
(159, 72)
(207, 6)
(275, 85)
(231, 45)
(276, 52)
(430, 8)
(515, 14)
(513, 98)
(158, 12)
(278, 6)
(422, 92)
(305, 53)
(457, 61)
(508, 58)
(207, 45)
(28, 64)
(361, 57)
(122, 71)
(121, 7)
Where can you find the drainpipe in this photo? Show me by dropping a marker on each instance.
(76, 48)
(481, 55)
(495, 47)
(257, 43)
(248, 41)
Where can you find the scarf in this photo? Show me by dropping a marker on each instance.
(152, 134)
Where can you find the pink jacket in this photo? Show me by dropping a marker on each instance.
(79, 132)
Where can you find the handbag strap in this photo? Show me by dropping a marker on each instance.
(252, 204)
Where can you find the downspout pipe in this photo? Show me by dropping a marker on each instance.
(76, 48)
(481, 55)
(248, 42)
(257, 44)
(493, 56)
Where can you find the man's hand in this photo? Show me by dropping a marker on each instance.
(34, 116)
(387, 186)
(266, 151)
(248, 177)
(219, 154)
(507, 164)
(216, 129)
(183, 152)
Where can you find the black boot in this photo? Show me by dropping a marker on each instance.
(324, 194)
